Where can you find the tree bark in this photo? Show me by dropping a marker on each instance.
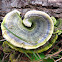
(52, 7)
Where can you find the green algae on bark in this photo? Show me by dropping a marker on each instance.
(51, 42)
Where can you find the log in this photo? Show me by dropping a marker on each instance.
(52, 7)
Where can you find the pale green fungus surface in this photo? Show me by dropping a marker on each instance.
(30, 33)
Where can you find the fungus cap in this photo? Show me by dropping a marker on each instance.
(30, 33)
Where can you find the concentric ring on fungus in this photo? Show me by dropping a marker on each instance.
(30, 33)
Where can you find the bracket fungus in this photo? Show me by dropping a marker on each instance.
(32, 32)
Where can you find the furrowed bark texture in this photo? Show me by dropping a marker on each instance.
(52, 7)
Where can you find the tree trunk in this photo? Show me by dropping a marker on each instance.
(52, 7)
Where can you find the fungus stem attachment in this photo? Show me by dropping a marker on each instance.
(27, 23)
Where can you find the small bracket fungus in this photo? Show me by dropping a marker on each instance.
(33, 32)
(30, 33)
